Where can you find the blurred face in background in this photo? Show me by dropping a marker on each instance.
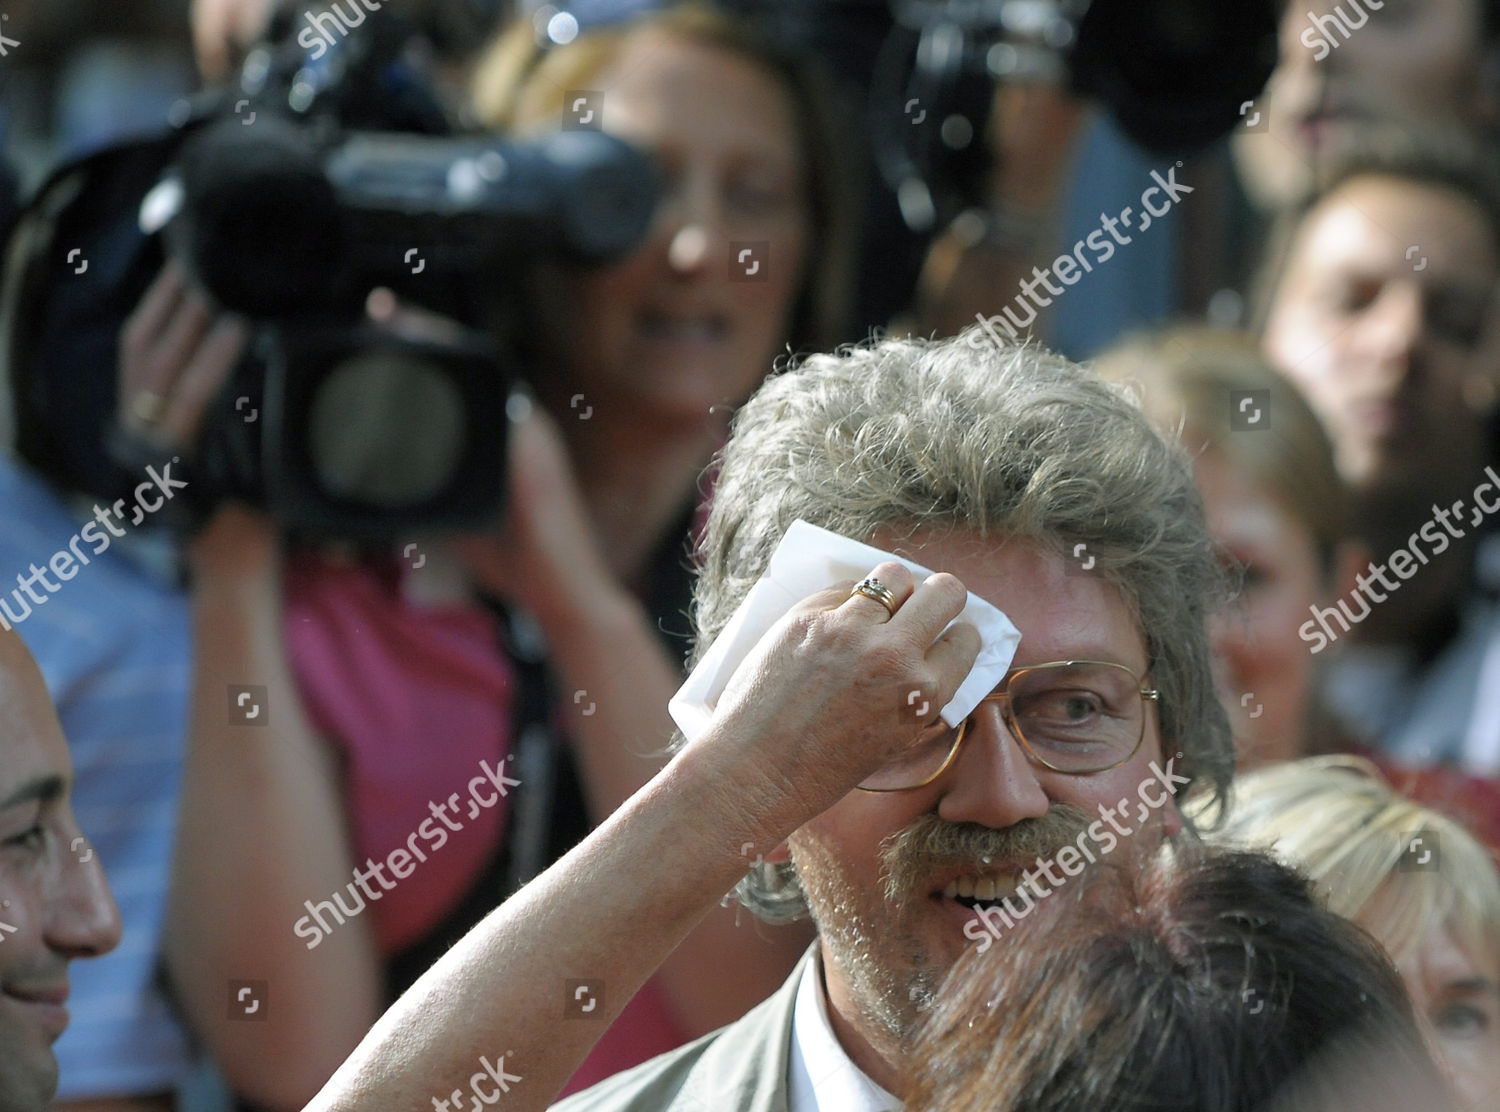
(1265, 672)
(1458, 1002)
(1456, 995)
(54, 906)
(1415, 61)
(694, 317)
(1380, 318)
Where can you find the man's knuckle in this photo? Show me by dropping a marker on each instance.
(807, 626)
(925, 680)
(887, 660)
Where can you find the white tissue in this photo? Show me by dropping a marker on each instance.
(809, 560)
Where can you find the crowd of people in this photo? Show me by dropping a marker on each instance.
(380, 823)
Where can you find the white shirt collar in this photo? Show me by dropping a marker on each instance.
(822, 1077)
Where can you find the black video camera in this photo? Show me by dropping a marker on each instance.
(1175, 74)
(332, 169)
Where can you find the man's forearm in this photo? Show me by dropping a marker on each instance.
(617, 679)
(601, 919)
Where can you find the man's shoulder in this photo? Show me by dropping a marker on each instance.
(663, 1082)
(738, 1068)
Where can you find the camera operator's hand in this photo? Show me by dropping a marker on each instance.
(176, 352)
(545, 551)
(820, 702)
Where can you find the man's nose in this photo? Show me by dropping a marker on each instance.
(82, 919)
(993, 781)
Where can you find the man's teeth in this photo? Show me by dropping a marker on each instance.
(977, 887)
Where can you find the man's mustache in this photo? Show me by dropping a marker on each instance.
(930, 845)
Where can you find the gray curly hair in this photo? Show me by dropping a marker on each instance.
(995, 439)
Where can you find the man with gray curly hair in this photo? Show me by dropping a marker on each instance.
(1048, 494)
(1015, 476)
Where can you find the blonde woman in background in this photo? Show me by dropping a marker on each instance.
(1413, 877)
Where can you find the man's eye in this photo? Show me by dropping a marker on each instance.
(28, 839)
(1462, 1021)
(1062, 707)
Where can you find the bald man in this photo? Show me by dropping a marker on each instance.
(54, 902)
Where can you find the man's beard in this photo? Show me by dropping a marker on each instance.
(873, 936)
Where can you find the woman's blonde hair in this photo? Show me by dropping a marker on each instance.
(520, 86)
(1339, 821)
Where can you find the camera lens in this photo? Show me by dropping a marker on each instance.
(386, 430)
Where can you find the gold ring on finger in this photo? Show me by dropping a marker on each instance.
(873, 588)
